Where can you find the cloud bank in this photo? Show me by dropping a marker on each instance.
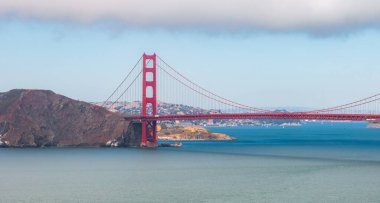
(315, 16)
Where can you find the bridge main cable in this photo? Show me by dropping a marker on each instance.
(118, 87)
(225, 101)
(349, 105)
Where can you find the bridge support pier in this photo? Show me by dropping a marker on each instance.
(149, 134)
(149, 101)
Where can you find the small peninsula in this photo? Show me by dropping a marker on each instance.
(190, 133)
(374, 124)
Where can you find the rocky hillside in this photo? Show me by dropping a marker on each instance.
(37, 118)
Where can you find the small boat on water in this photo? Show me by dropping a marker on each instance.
(176, 144)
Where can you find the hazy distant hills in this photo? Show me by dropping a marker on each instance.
(134, 108)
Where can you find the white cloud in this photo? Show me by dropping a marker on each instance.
(224, 15)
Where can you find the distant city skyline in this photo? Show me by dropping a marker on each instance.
(257, 62)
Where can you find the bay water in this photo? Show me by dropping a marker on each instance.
(315, 162)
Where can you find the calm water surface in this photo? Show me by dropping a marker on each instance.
(318, 162)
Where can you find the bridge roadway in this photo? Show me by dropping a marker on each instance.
(260, 116)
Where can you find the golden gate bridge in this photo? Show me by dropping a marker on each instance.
(152, 81)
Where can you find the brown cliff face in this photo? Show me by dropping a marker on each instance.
(36, 118)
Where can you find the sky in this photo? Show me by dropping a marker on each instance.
(272, 53)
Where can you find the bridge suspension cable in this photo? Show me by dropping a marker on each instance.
(123, 93)
(121, 84)
(178, 95)
(202, 91)
(369, 105)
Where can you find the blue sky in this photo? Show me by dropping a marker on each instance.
(259, 68)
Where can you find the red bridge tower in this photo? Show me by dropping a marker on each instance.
(149, 101)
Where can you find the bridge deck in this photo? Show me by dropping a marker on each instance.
(262, 116)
